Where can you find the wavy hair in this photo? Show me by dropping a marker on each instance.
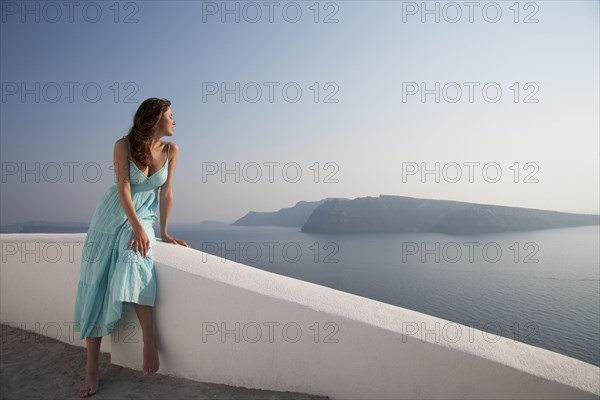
(145, 123)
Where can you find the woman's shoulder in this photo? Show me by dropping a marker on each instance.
(122, 142)
(170, 146)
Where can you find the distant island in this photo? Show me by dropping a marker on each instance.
(81, 227)
(383, 214)
(409, 214)
(290, 216)
(397, 214)
(38, 226)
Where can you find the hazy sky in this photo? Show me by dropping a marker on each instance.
(518, 93)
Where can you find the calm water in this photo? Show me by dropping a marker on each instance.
(540, 287)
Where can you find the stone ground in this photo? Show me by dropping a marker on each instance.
(49, 369)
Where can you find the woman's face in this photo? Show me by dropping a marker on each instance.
(167, 123)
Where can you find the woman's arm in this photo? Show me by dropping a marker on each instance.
(166, 191)
(121, 165)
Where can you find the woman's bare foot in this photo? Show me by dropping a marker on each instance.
(90, 386)
(150, 364)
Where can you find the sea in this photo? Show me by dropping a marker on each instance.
(538, 287)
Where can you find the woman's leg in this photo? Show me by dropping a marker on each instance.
(144, 313)
(90, 386)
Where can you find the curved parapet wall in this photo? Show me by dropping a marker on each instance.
(224, 322)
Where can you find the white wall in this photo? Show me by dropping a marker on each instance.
(39, 274)
(372, 350)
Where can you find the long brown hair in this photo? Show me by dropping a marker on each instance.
(145, 123)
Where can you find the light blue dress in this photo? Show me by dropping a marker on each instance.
(112, 276)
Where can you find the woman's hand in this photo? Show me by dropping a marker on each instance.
(140, 242)
(170, 239)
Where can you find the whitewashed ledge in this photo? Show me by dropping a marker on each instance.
(350, 347)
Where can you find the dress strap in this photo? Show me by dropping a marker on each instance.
(168, 148)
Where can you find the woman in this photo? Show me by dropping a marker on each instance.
(117, 268)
